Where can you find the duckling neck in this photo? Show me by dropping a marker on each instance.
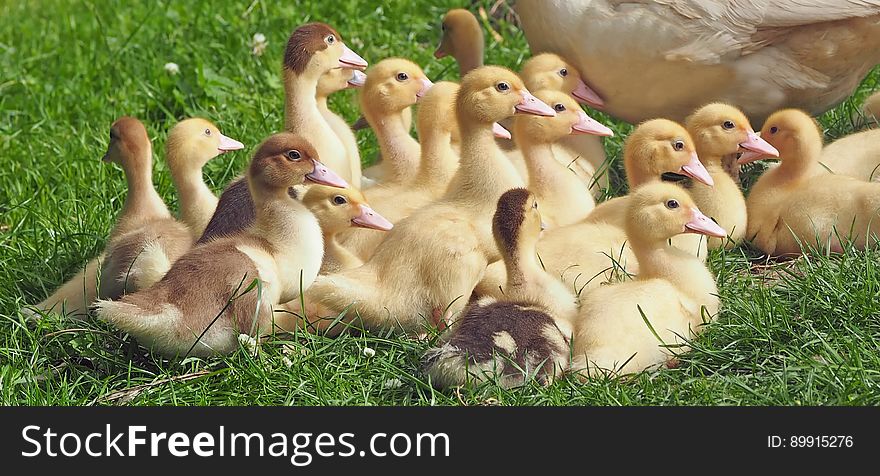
(337, 257)
(300, 104)
(484, 173)
(142, 201)
(471, 58)
(545, 173)
(523, 268)
(663, 261)
(797, 164)
(321, 101)
(438, 160)
(400, 152)
(278, 215)
(197, 202)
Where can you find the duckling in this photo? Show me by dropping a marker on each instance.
(338, 210)
(313, 50)
(522, 335)
(666, 58)
(856, 155)
(438, 129)
(792, 206)
(462, 39)
(432, 260)
(674, 291)
(720, 131)
(566, 199)
(204, 301)
(335, 80)
(392, 86)
(871, 108)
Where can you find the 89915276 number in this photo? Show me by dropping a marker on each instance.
(810, 441)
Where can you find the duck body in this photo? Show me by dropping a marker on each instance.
(331, 82)
(761, 56)
(856, 155)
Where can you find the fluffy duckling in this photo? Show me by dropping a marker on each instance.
(312, 51)
(565, 198)
(438, 129)
(204, 301)
(791, 206)
(432, 260)
(666, 58)
(333, 81)
(871, 108)
(462, 39)
(526, 333)
(720, 131)
(392, 86)
(338, 210)
(674, 291)
(856, 155)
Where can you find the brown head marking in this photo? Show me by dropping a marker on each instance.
(304, 42)
(509, 217)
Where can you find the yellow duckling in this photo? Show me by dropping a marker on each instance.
(331, 82)
(462, 39)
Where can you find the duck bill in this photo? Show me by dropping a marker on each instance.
(426, 86)
(352, 60)
(748, 157)
(228, 144)
(368, 218)
(756, 144)
(695, 170)
(441, 52)
(703, 225)
(586, 95)
(499, 131)
(588, 125)
(358, 79)
(322, 175)
(529, 104)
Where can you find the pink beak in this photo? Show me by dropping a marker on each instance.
(438, 53)
(324, 176)
(370, 219)
(588, 125)
(227, 144)
(350, 59)
(426, 86)
(703, 225)
(587, 96)
(695, 170)
(532, 105)
(499, 131)
(755, 148)
(358, 79)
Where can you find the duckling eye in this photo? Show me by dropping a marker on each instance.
(728, 125)
(502, 86)
(672, 204)
(443, 27)
(774, 130)
(330, 39)
(402, 77)
(535, 205)
(339, 200)
(678, 145)
(559, 107)
(563, 72)
(293, 155)
(207, 132)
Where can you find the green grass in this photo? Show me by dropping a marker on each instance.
(796, 333)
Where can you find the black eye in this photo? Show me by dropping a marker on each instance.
(331, 39)
(672, 204)
(678, 145)
(502, 86)
(207, 132)
(402, 76)
(535, 205)
(443, 27)
(559, 107)
(774, 130)
(728, 125)
(293, 155)
(563, 72)
(339, 200)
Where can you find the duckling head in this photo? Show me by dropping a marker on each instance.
(796, 135)
(517, 225)
(315, 48)
(285, 160)
(129, 144)
(658, 147)
(461, 32)
(550, 71)
(491, 93)
(658, 211)
(569, 119)
(193, 142)
(340, 209)
(437, 111)
(338, 79)
(393, 85)
(721, 129)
